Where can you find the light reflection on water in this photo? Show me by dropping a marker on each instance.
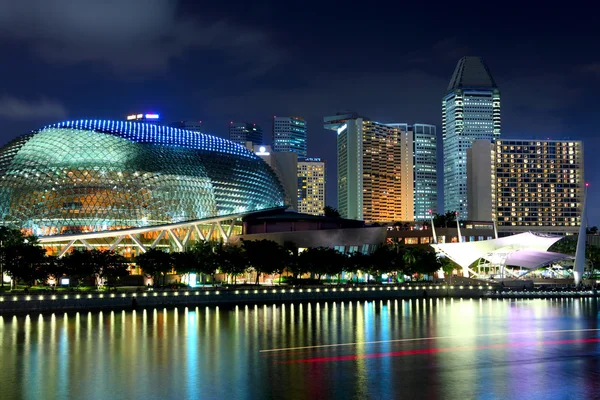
(479, 350)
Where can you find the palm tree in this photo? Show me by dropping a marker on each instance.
(331, 212)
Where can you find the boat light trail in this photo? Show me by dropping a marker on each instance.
(434, 350)
(424, 339)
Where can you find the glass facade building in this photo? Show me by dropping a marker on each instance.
(95, 175)
(424, 153)
(195, 126)
(242, 132)
(470, 111)
(289, 134)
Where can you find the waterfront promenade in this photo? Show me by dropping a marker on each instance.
(67, 301)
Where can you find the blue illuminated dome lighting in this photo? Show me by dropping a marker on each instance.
(96, 175)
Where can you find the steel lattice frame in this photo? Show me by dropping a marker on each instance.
(86, 176)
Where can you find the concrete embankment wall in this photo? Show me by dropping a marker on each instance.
(21, 303)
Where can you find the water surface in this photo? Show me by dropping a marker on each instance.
(432, 348)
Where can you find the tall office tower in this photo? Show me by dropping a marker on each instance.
(375, 166)
(424, 153)
(311, 186)
(289, 134)
(470, 110)
(242, 132)
(195, 126)
(536, 185)
(149, 118)
(285, 166)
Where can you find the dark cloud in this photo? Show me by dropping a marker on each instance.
(12, 108)
(536, 104)
(129, 35)
(449, 49)
(396, 96)
(592, 69)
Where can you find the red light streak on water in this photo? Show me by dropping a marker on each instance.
(434, 350)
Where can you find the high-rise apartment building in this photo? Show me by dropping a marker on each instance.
(311, 186)
(536, 185)
(242, 132)
(195, 126)
(289, 134)
(375, 169)
(470, 111)
(424, 152)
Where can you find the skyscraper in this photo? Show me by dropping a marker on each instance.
(424, 153)
(311, 186)
(285, 166)
(289, 134)
(195, 126)
(479, 182)
(375, 169)
(242, 132)
(470, 110)
(536, 185)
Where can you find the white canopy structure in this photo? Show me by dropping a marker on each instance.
(526, 250)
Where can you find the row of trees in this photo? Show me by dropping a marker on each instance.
(568, 245)
(25, 261)
(265, 257)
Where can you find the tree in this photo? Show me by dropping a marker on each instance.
(184, 262)
(264, 256)
(426, 262)
(448, 266)
(232, 261)
(444, 220)
(568, 245)
(82, 264)
(290, 260)
(53, 267)
(357, 262)
(593, 230)
(24, 262)
(387, 259)
(154, 263)
(321, 261)
(205, 253)
(20, 255)
(331, 212)
(113, 266)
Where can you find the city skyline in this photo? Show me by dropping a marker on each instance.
(543, 96)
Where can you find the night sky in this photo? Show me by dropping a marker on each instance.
(247, 61)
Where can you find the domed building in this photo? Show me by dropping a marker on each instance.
(96, 183)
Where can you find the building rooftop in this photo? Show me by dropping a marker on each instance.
(471, 73)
